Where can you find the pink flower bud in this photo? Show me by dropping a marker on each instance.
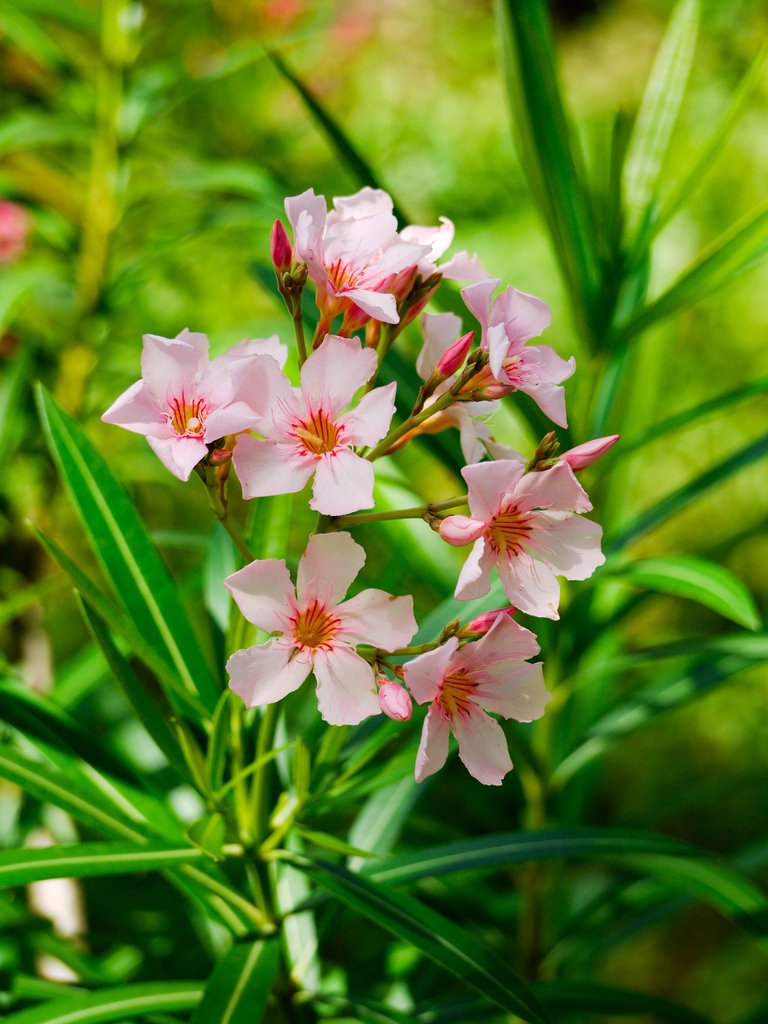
(220, 457)
(453, 358)
(395, 702)
(14, 224)
(480, 625)
(585, 454)
(280, 248)
(460, 530)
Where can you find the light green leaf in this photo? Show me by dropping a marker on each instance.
(89, 860)
(239, 987)
(209, 833)
(128, 557)
(219, 741)
(123, 1003)
(440, 940)
(694, 578)
(658, 113)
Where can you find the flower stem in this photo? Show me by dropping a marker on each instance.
(216, 489)
(417, 512)
(298, 330)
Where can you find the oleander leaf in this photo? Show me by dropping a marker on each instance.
(239, 987)
(129, 1002)
(90, 860)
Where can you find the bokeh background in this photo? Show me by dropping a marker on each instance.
(151, 146)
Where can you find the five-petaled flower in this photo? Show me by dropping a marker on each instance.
(183, 402)
(508, 322)
(463, 684)
(351, 253)
(318, 632)
(305, 432)
(526, 524)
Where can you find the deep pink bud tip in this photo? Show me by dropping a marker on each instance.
(280, 248)
(584, 455)
(395, 702)
(480, 625)
(453, 358)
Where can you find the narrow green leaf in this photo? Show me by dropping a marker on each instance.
(329, 842)
(209, 834)
(299, 929)
(697, 579)
(89, 860)
(659, 110)
(239, 987)
(688, 493)
(546, 154)
(736, 251)
(14, 384)
(349, 154)
(678, 864)
(122, 544)
(219, 742)
(30, 37)
(443, 942)
(123, 1003)
(381, 818)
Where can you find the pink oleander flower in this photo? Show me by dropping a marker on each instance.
(584, 455)
(395, 701)
(183, 402)
(352, 253)
(508, 322)
(317, 631)
(306, 435)
(527, 525)
(463, 685)
(14, 228)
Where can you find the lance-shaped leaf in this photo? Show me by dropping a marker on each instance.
(129, 1002)
(239, 988)
(123, 546)
(443, 942)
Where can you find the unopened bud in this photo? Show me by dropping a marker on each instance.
(545, 455)
(220, 457)
(479, 626)
(280, 249)
(395, 701)
(14, 227)
(460, 530)
(584, 455)
(453, 358)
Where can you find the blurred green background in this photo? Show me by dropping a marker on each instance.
(152, 145)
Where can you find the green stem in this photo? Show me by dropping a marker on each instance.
(417, 512)
(298, 330)
(382, 347)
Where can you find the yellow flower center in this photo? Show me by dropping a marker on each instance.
(508, 530)
(318, 434)
(188, 417)
(456, 693)
(314, 627)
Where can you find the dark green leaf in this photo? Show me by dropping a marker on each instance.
(239, 987)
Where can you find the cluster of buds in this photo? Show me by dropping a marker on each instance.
(525, 519)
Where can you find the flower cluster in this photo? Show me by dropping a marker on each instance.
(524, 518)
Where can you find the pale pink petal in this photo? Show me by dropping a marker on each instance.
(137, 410)
(231, 419)
(263, 592)
(514, 691)
(307, 214)
(368, 202)
(378, 305)
(378, 619)
(327, 568)
(436, 239)
(168, 363)
(433, 748)
(477, 298)
(555, 488)
(463, 267)
(482, 747)
(488, 482)
(369, 421)
(266, 673)
(530, 585)
(497, 344)
(523, 315)
(334, 372)
(475, 436)
(346, 687)
(505, 641)
(475, 577)
(440, 330)
(569, 544)
(179, 454)
(460, 530)
(343, 483)
(424, 674)
(266, 468)
(550, 398)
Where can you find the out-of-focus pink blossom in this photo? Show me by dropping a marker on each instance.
(14, 228)
(316, 630)
(464, 684)
(508, 322)
(183, 402)
(480, 625)
(529, 528)
(584, 455)
(395, 701)
(352, 253)
(306, 433)
(280, 248)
